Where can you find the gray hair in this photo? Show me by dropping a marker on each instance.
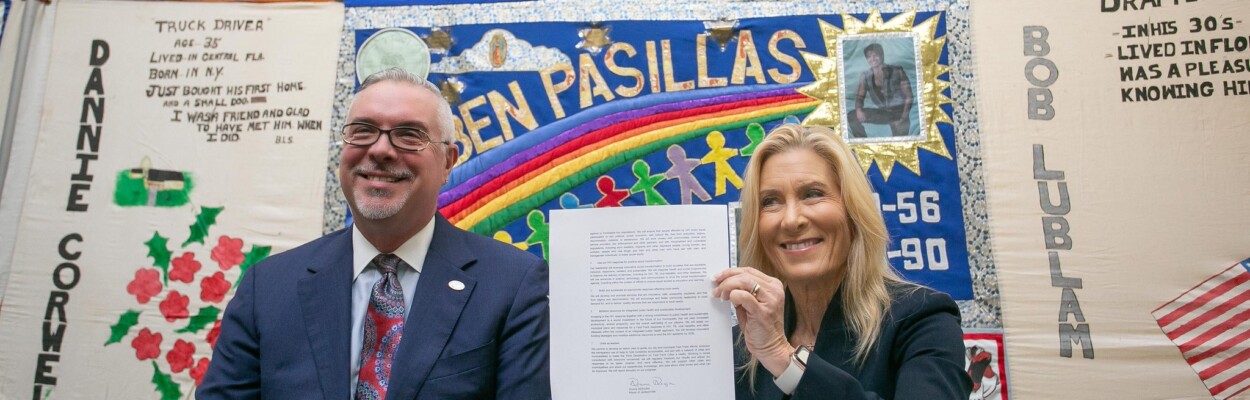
(445, 122)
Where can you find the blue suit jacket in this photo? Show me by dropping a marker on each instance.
(285, 335)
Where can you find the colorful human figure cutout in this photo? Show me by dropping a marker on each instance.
(612, 197)
(683, 171)
(755, 134)
(646, 183)
(569, 201)
(541, 231)
(504, 236)
(719, 156)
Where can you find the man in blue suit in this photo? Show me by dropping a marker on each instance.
(324, 320)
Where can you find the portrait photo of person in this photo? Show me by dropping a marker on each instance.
(880, 88)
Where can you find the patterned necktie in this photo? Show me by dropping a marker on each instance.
(383, 328)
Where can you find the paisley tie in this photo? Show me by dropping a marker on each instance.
(383, 328)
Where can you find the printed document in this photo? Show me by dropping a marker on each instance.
(632, 315)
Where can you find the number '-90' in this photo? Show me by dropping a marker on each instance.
(915, 254)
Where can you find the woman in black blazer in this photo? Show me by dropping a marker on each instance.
(821, 313)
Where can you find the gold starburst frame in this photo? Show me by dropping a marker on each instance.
(828, 89)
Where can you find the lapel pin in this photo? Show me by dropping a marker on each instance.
(456, 285)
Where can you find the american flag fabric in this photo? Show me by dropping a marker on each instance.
(1210, 323)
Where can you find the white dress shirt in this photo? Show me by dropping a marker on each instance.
(412, 252)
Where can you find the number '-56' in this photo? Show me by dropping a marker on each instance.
(910, 210)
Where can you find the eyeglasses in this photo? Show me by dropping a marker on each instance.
(403, 138)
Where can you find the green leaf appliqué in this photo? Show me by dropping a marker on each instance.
(127, 320)
(204, 220)
(159, 251)
(207, 316)
(255, 255)
(169, 389)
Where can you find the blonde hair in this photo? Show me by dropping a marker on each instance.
(865, 298)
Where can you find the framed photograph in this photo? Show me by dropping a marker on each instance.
(881, 92)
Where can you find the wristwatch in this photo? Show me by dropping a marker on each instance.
(800, 355)
(789, 380)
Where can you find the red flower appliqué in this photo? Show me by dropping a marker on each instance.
(213, 288)
(212, 334)
(147, 283)
(198, 371)
(147, 345)
(180, 357)
(185, 268)
(229, 252)
(192, 328)
(174, 307)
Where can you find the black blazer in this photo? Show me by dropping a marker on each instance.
(919, 355)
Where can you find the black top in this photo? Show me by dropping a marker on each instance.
(919, 354)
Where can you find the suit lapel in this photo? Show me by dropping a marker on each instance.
(325, 299)
(436, 308)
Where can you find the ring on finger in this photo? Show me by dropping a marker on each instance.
(755, 290)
